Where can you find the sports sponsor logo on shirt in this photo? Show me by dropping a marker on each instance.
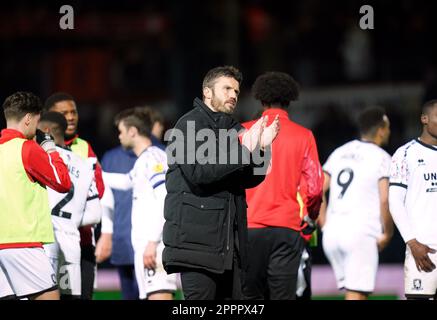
(432, 178)
(417, 285)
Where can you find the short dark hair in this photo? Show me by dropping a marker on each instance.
(224, 71)
(427, 106)
(275, 88)
(57, 119)
(138, 117)
(55, 98)
(17, 105)
(156, 116)
(370, 120)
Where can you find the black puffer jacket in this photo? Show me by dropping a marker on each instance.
(205, 202)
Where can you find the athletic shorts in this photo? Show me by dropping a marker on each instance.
(419, 283)
(64, 255)
(6, 291)
(153, 281)
(27, 272)
(354, 259)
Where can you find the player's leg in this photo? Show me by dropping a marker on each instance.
(419, 285)
(29, 273)
(254, 279)
(355, 295)
(160, 296)
(286, 252)
(87, 262)
(361, 265)
(88, 270)
(48, 295)
(160, 285)
(199, 284)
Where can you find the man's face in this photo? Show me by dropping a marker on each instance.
(68, 109)
(32, 125)
(124, 136)
(158, 130)
(224, 94)
(429, 120)
(386, 131)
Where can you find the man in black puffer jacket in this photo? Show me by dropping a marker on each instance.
(205, 233)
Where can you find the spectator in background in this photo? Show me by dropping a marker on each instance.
(274, 213)
(64, 103)
(157, 128)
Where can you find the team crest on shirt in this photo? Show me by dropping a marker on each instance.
(157, 168)
(417, 285)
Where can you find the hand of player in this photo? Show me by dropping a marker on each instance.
(270, 133)
(149, 256)
(252, 137)
(420, 254)
(383, 241)
(308, 225)
(45, 140)
(103, 247)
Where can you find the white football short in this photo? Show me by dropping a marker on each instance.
(354, 259)
(64, 255)
(6, 291)
(152, 281)
(419, 283)
(27, 272)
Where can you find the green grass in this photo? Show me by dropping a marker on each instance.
(116, 295)
(107, 295)
(372, 297)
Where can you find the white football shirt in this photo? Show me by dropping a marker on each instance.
(68, 208)
(355, 169)
(147, 180)
(414, 168)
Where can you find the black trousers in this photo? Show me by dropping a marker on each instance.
(274, 257)
(200, 284)
(87, 271)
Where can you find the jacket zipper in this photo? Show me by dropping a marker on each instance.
(229, 222)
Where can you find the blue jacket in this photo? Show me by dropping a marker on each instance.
(119, 160)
